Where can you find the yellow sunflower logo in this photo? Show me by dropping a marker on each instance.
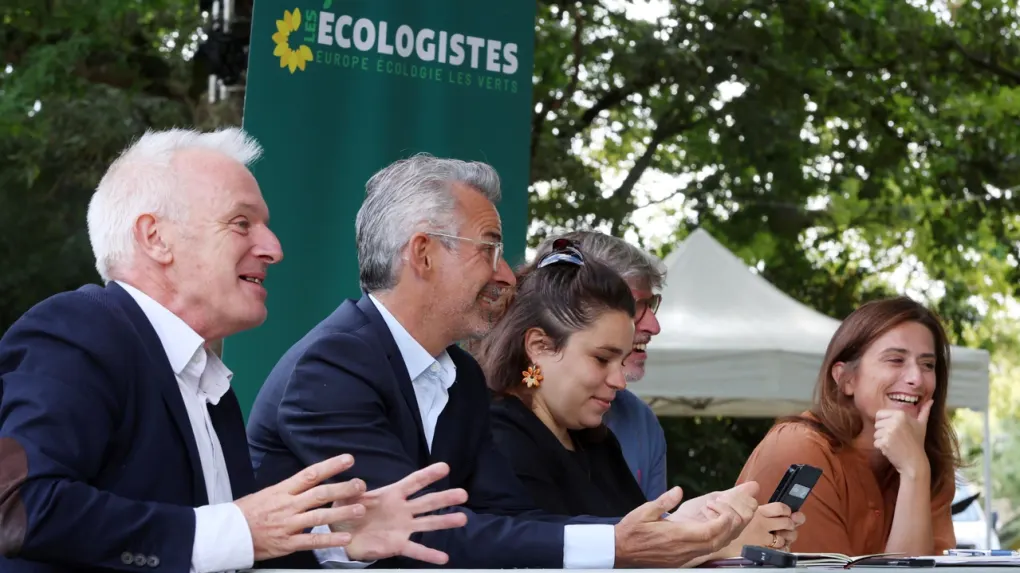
(291, 59)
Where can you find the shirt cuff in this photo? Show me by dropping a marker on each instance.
(336, 557)
(589, 546)
(222, 539)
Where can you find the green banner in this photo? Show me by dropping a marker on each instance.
(338, 89)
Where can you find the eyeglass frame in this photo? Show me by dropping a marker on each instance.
(497, 253)
(651, 303)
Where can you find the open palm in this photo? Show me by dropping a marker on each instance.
(391, 518)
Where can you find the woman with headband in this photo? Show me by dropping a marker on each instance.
(555, 363)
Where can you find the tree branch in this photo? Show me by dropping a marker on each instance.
(551, 104)
(537, 123)
(651, 203)
(609, 99)
(987, 65)
(665, 130)
(572, 83)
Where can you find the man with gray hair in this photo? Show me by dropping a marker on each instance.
(383, 378)
(630, 418)
(122, 445)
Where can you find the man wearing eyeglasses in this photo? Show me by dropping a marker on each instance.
(631, 420)
(382, 378)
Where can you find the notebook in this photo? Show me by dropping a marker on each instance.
(838, 559)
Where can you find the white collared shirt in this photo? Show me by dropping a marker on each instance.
(222, 537)
(585, 546)
(430, 377)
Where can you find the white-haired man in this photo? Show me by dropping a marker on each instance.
(122, 447)
(631, 420)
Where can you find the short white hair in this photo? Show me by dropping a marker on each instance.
(143, 180)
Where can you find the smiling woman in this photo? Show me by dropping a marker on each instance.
(881, 435)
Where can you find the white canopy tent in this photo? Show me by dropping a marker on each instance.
(734, 345)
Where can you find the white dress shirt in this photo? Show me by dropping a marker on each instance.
(585, 546)
(222, 538)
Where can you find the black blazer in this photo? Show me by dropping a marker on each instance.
(593, 480)
(344, 388)
(98, 465)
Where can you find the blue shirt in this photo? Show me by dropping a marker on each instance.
(642, 440)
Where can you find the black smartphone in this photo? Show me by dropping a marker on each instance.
(795, 486)
(765, 557)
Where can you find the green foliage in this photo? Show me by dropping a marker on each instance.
(827, 143)
(898, 119)
(78, 81)
(847, 148)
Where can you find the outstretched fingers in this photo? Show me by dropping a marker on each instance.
(422, 478)
(437, 522)
(315, 474)
(418, 551)
(437, 500)
(328, 493)
(309, 541)
(329, 515)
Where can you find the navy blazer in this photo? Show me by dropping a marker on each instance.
(344, 388)
(98, 465)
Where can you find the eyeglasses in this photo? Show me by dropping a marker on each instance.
(497, 248)
(644, 305)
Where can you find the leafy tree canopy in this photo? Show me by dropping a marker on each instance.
(843, 148)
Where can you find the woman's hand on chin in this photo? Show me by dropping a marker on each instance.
(900, 438)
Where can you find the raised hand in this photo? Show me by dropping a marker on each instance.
(278, 515)
(900, 438)
(389, 518)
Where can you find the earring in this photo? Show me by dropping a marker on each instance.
(532, 376)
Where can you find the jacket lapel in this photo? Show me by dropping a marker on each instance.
(167, 383)
(397, 365)
(451, 436)
(228, 422)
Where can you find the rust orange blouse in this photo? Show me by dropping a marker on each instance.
(850, 510)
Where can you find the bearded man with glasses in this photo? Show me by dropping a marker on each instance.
(630, 418)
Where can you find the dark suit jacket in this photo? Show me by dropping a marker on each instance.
(592, 480)
(344, 388)
(98, 465)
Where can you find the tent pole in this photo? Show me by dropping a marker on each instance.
(987, 458)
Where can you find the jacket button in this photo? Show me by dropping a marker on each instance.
(140, 560)
(153, 561)
(126, 558)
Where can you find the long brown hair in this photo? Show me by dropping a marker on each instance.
(834, 414)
